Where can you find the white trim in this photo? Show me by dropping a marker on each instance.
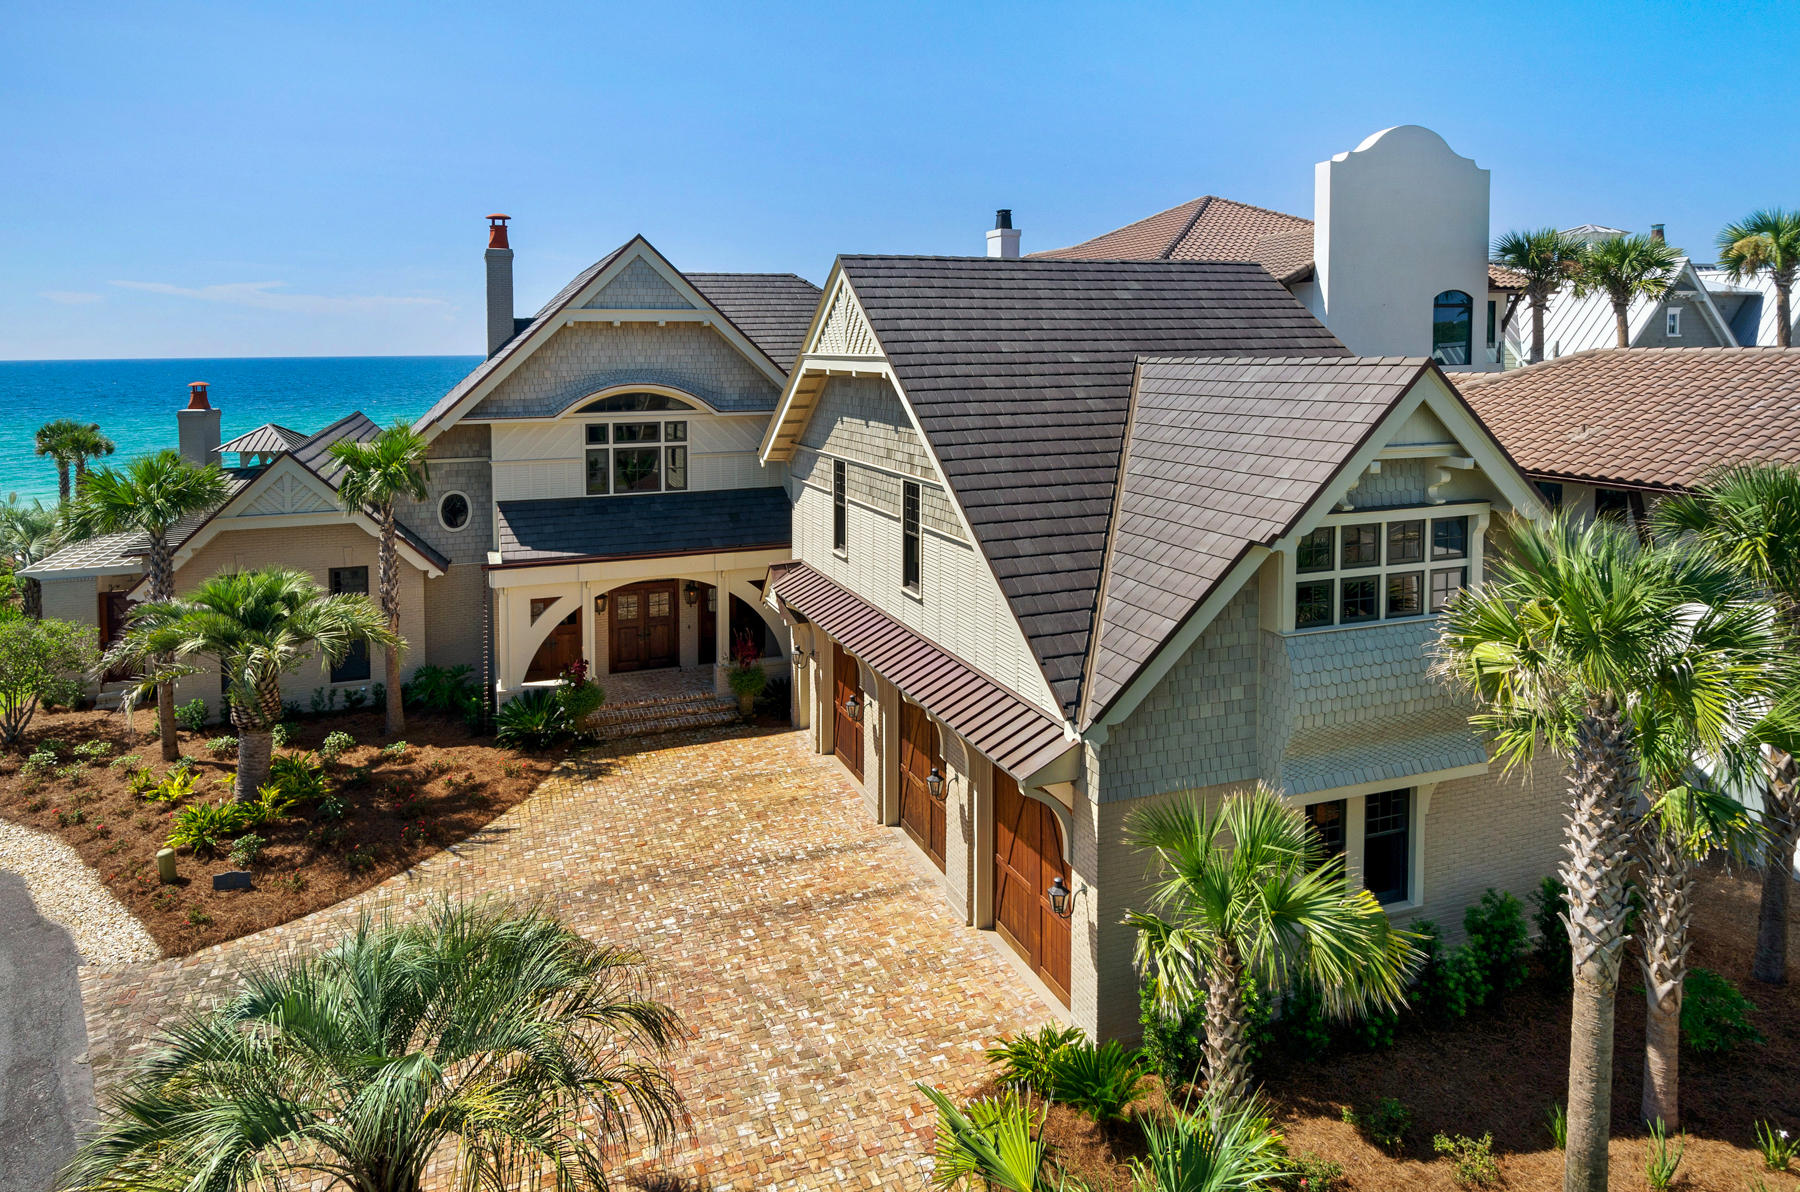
(467, 517)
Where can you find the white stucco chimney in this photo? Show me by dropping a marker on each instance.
(1003, 238)
(499, 285)
(197, 427)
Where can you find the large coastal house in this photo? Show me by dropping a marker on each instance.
(594, 489)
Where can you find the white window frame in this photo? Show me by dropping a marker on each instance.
(663, 444)
(1478, 514)
(1672, 322)
(1356, 805)
(455, 492)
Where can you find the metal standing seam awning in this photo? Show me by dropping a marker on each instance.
(1017, 736)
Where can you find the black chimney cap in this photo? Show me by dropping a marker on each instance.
(1003, 218)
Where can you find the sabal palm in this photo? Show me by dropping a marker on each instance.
(1219, 1148)
(259, 625)
(85, 444)
(492, 1027)
(28, 534)
(1626, 268)
(150, 495)
(1584, 640)
(1767, 242)
(1546, 257)
(376, 475)
(1247, 890)
(59, 439)
(1748, 516)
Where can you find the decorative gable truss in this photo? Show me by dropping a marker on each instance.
(840, 343)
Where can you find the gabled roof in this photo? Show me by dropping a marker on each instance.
(777, 306)
(1758, 320)
(1573, 324)
(1019, 373)
(125, 553)
(1644, 417)
(1222, 455)
(1213, 229)
(267, 439)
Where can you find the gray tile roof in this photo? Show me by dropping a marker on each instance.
(1020, 738)
(773, 310)
(127, 551)
(1221, 454)
(1020, 372)
(618, 527)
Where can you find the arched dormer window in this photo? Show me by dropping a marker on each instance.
(1452, 328)
(633, 403)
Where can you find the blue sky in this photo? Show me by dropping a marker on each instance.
(310, 179)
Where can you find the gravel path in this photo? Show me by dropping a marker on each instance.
(66, 891)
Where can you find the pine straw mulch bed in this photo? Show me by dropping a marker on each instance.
(400, 811)
(1500, 1071)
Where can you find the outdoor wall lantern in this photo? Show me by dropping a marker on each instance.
(691, 593)
(853, 710)
(600, 603)
(934, 782)
(1061, 900)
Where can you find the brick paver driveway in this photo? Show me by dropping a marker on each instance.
(818, 966)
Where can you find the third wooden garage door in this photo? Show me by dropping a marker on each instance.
(921, 813)
(1027, 858)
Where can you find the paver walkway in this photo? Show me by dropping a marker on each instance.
(818, 966)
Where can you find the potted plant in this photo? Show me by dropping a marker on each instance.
(746, 676)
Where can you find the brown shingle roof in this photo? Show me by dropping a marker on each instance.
(1644, 417)
(1220, 455)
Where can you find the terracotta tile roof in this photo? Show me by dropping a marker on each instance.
(1204, 229)
(1002, 725)
(1644, 417)
(1502, 278)
(1220, 455)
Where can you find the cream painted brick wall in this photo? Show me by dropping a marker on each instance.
(581, 358)
(76, 600)
(1503, 831)
(455, 618)
(314, 550)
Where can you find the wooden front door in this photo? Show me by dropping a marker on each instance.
(645, 632)
(921, 814)
(561, 649)
(847, 735)
(709, 623)
(115, 617)
(1027, 858)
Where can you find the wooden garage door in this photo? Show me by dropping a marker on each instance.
(1027, 858)
(920, 814)
(847, 737)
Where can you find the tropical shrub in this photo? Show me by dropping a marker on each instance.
(1174, 1044)
(1471, 1159)
(93, 751)
(1715, 1016)
(1307, 1172)
(142, 782)
(1450, 983)
(222, 746)
(205, 827)
(246, 849)
(1776, 1147)
(1024, 1060)
(997, 1140)
(40, 761)
(34, 657)
(1302, 1026)
(64, 691)
(129, 762)
(1099, 1081)
(1386, 1123)
(175, 786)
(1496, 930)
(533, 719)
(272, 803)
(439, 688)
(191, 716)
(1223, 1146)
(395, 750)
(776, 698)
(1374, 1029)
(1550, 902)
(578, 697)
(282, 734)
(336, 744)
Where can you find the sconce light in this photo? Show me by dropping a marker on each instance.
(934, 782)
(853, 710)
(600, 603)
(691, 593)
(1061, 899)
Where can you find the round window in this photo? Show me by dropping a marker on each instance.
(453, 511)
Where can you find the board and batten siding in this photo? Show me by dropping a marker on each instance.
(959, 606)
(538, 460)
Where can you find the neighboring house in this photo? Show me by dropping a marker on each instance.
(594, 489)
(1394, 260)
(1686, 316)
(1071, 535)
(1608, 431)
(1749, 306)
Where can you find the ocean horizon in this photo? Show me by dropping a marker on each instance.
(134, 401)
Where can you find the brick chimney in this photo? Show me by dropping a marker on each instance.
(197, 427)
(1656, 232)
(1003, 238)
(499, 285)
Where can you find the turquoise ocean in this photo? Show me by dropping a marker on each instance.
(134, 401)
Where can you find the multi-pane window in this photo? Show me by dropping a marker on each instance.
(636, 457)
(1552, 492)
(1384, 569)
(1327, 819)
(840, 510)
(1387, 844)
(909, 537)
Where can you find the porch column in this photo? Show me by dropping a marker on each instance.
(722, 631)
(588, 628)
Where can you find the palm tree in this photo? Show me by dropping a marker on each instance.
(86, 443)
(492, 1027)
(57, 439)
(1584, 640)
(149, 496)
(1767, 242)
(28, 534)
(1625, 268)
(1248, 891)
(1748, 516)
(259, 625)
(375, 475)
(1546, 258)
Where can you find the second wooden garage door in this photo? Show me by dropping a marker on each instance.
(1027, 858)
(921, 814)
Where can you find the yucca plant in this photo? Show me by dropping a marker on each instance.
(489, 1033)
